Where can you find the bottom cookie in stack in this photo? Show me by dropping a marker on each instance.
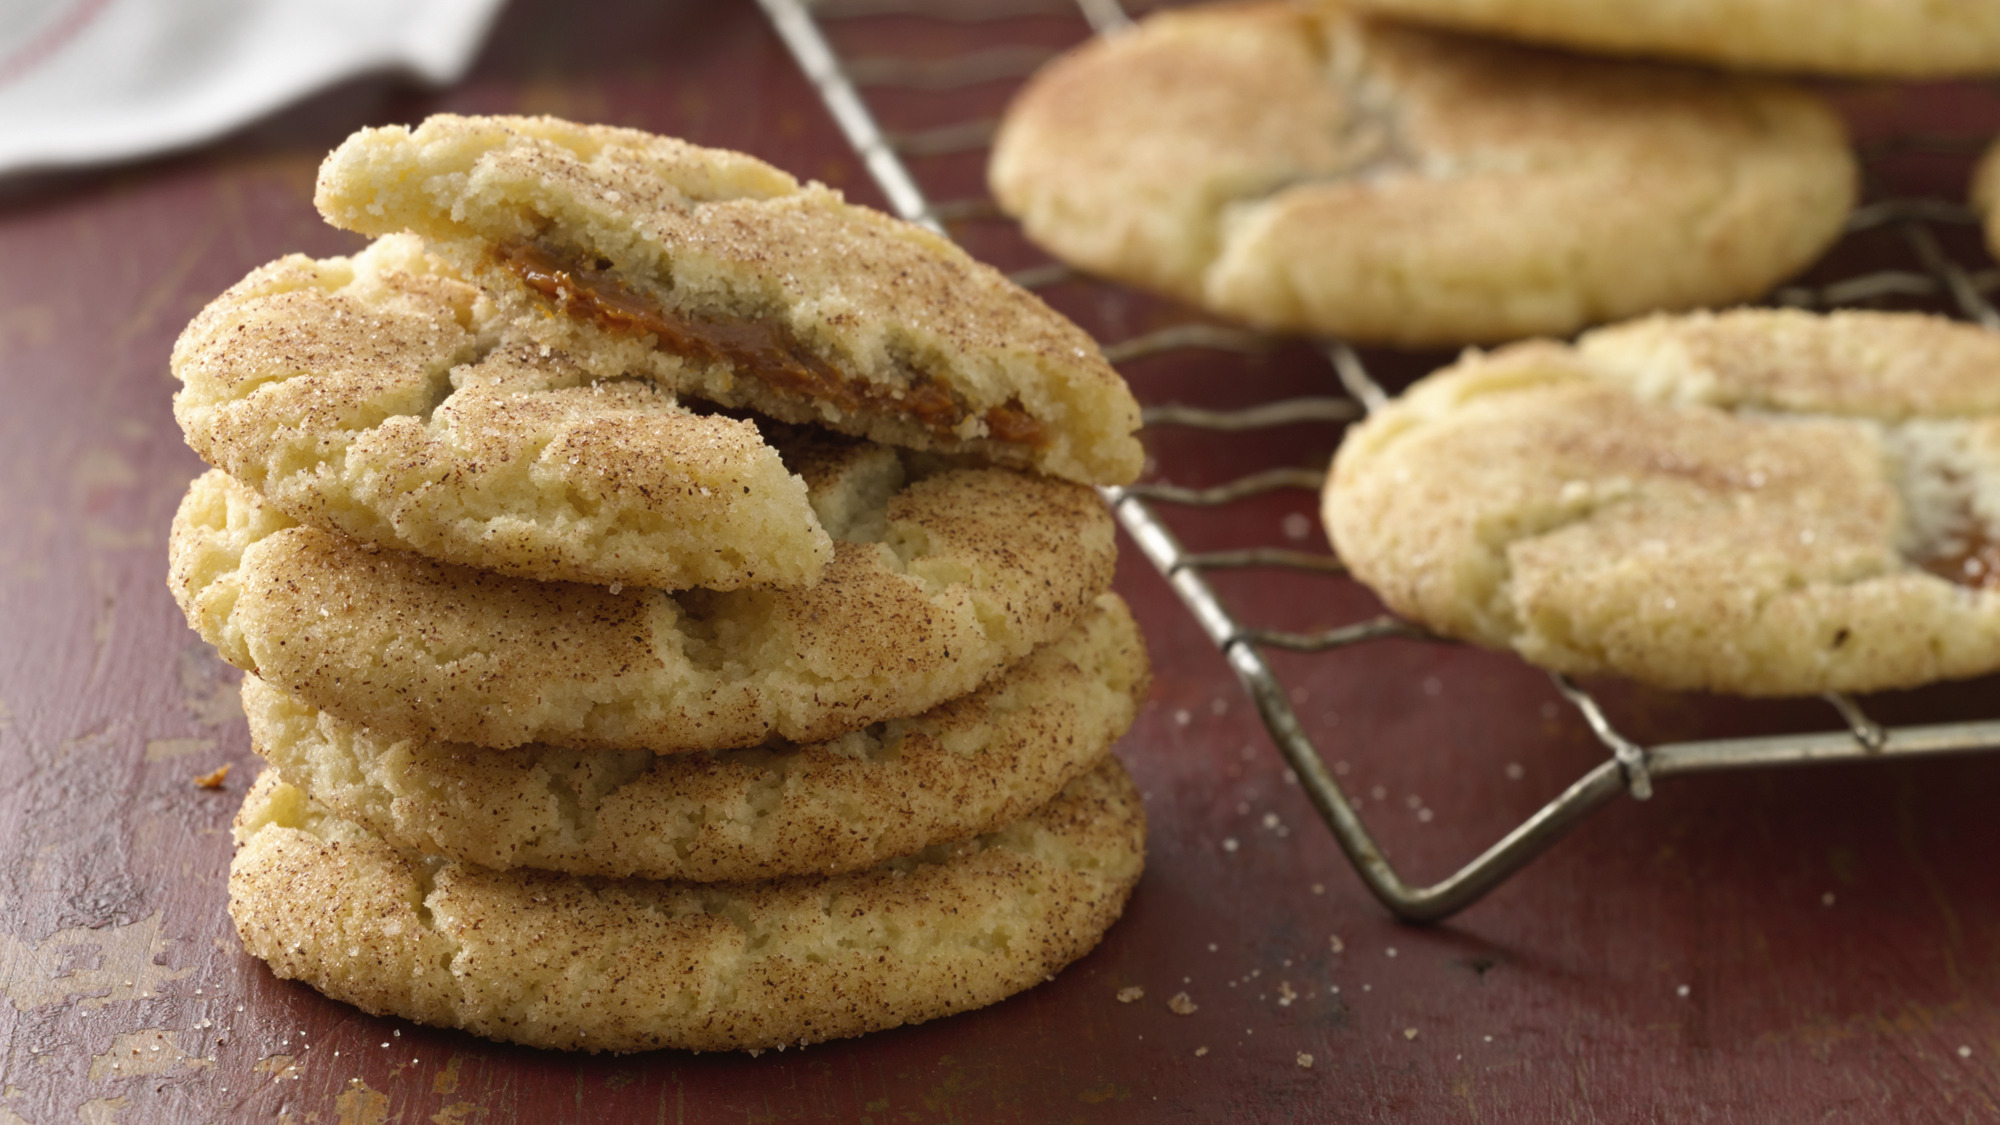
(989, 895)
(575, 962)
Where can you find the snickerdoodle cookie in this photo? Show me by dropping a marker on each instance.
(966, 766)
(1320, 172)
(722, 277)
(629, 965)
(941, 577)
(371, 396)
(1762, 502)
(1878, 38)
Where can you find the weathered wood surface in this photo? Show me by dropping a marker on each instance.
(1811, 945)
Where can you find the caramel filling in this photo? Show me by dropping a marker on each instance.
(761, 350)
(1977, 564)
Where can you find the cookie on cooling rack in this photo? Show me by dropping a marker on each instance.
(1331, 174)
(589, 964)
(1832, 37)
(940, 578)
(721, 277)
(1986, 195)
(967, 766)
(370, 396)
(1759, 502)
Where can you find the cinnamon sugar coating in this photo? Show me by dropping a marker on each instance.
(941, 578)
(901, 317)
(966, 766)
(630, 965)
(1761, 502)
(373, 396)
(1304, 169)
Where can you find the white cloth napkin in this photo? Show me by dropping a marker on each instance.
(86, 81)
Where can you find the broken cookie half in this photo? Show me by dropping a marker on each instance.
(721, 277)
(372, 396)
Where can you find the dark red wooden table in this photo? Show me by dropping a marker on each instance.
(1808, 945)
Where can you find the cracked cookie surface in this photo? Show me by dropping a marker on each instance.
(1831, 37)
(1330, 174)
(371, 396)
(578, 963)
(721, 277)
(1761, 502)
(941, 577)
(967, 766)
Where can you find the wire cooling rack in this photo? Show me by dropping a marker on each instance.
(1630, 767)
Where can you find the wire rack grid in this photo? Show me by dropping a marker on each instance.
(1630, 767)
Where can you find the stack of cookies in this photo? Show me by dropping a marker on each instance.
(673, 601)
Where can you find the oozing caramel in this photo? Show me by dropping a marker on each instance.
(1977, 564)
(761, 350)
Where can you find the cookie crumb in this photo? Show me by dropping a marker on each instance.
(1200, 1051)
(1305, 1061)
(1334, 943)
(1181, 1004)
(213, 778)
(1409, 1033)
(1130, 993)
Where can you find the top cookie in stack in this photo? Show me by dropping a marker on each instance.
(610, 447)
(715, 274)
